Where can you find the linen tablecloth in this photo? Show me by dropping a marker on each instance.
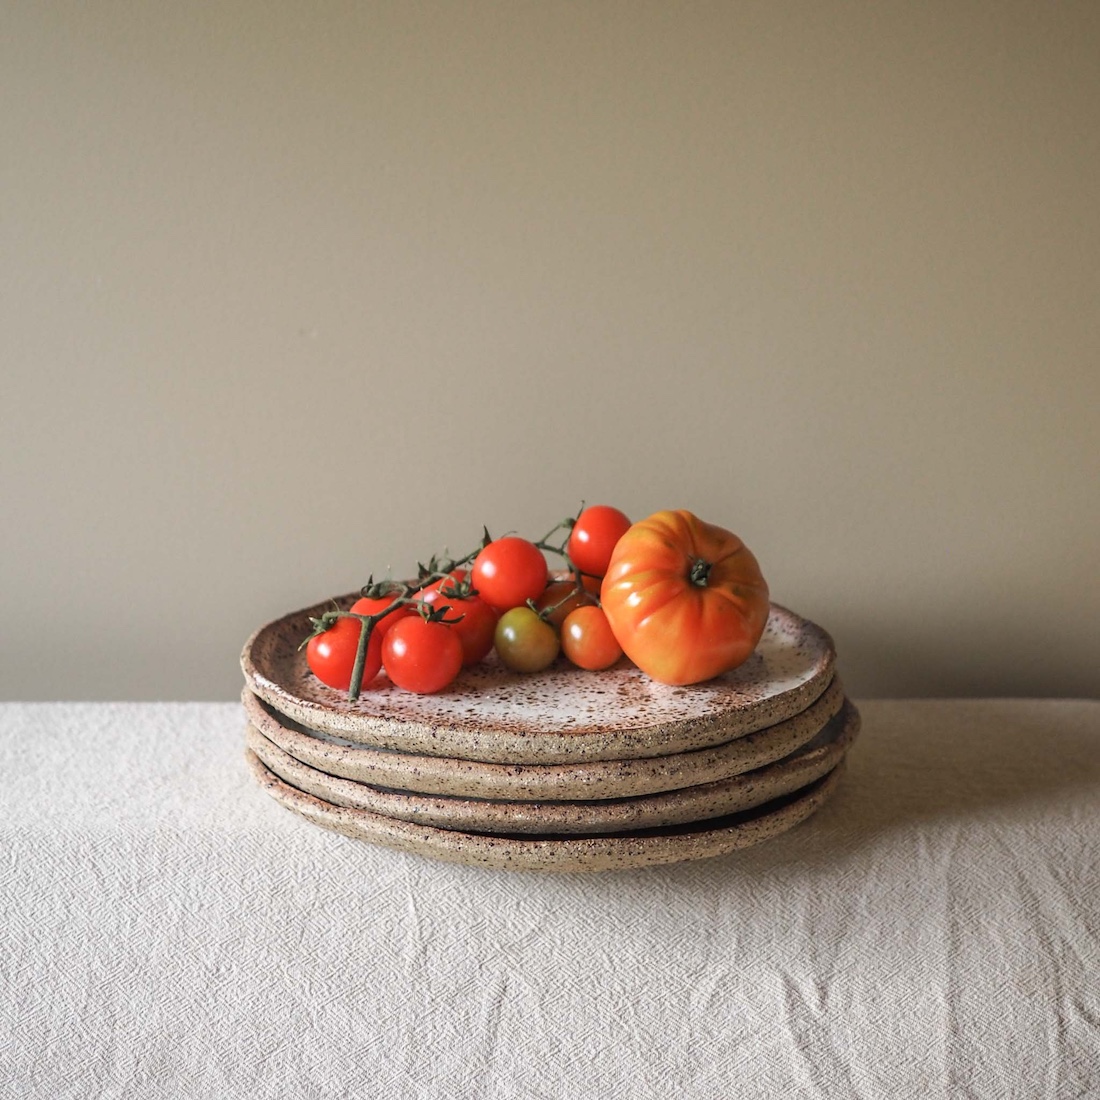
(167, 930)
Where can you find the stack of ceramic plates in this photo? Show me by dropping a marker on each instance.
(564, 770)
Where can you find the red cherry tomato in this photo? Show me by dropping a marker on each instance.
(479, 621)
(368, 605)
(331, 655)
(421, 656)
(509, 572)
(587, 641)
(593, 538)
(524, 642)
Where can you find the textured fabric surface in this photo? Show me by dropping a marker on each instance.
(166, 930)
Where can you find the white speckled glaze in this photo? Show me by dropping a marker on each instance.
(588, 779)
(558, 716)
(695, 803)
(558, 853)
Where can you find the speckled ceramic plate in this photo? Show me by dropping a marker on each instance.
(585, 780)
(561, 715)
(707, 800)
(641, 848)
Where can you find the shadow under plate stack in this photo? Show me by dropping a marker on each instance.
(563, 770)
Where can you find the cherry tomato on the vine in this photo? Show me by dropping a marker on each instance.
(587, 640)
(592, 541)
(509, 572)
(524, 642)
(331, 655)
(421, 656)
(479, 621)
(564, 597)
(371, 605)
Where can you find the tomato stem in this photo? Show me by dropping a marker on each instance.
(365, 631)
(433, 613)
(375, 590)
(577, 574)
(700, 569)
(567, 523)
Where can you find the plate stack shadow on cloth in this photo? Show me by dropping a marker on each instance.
(564, 770)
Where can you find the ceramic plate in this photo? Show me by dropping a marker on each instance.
(558, 853)
(585, 780)
(561, 715)
(707, 800)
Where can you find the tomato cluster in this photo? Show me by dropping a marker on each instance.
(501, 597)
(683, 599)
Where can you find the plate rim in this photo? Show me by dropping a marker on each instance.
(544, 854)
(578, 780)
(504, 746)
(730, 794)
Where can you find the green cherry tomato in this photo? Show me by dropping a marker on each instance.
(524, 642)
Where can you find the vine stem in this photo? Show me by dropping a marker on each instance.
(366, 628)
(568, 524)
(578, 576)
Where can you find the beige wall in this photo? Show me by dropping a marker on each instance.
(292, 292)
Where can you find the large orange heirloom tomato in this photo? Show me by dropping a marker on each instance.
(685, 599)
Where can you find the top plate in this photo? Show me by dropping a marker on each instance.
(561, 715)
